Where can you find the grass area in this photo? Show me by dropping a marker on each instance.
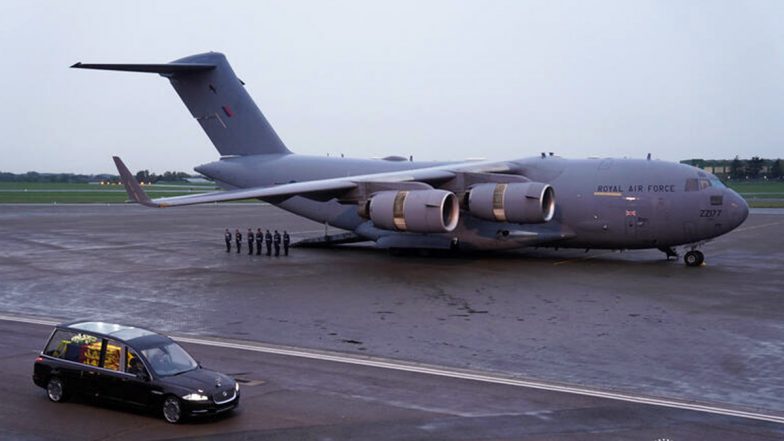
(65, 197)
(48, 186)
(65, 193)
(766, 204)
(754, 190)
(745, 187)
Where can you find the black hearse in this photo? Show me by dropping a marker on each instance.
(131, 365)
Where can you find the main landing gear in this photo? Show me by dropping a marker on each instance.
(694, 258)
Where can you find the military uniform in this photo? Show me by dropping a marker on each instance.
(286, 241)
(259, 241)
(227, 236)
(250, 241)
(277, 243)
(268, 242)
(238, 240)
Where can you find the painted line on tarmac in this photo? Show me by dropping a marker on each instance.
(440, 371)
(476, 376)
(30, 320)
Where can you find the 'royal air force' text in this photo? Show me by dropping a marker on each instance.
(650, 188)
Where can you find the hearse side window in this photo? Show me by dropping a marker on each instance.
(112, 358)
(74, 346)
(134, 364)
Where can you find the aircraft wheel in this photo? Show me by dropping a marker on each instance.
(694, 258)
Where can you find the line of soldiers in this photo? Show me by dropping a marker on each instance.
(260, 238)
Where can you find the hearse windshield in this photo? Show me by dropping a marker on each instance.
(169, 359)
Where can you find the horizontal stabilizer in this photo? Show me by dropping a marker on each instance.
(168, 68)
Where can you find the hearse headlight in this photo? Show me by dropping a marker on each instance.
(195, 397)
(237, 386)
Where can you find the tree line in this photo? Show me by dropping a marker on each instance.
(74, 178)
(754, 168)
(169, 176)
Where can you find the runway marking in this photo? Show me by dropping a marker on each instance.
(440, 371)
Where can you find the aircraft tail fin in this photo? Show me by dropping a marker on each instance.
(217, 99)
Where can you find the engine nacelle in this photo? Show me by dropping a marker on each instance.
(518, 202)
(418, 211)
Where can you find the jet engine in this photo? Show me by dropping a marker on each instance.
(418, 211)
(518, 202)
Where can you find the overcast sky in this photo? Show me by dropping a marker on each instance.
(439, 80)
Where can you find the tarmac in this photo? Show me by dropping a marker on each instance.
(629, 323)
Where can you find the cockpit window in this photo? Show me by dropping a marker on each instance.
(693, 184)
(716, 182)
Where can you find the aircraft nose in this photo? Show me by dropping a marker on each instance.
(738, 207)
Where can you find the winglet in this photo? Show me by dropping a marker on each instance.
(133, 188)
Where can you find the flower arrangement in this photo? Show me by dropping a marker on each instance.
(82, 339)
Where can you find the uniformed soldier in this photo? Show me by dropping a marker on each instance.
(286, 241)
(250, 242)
(227, 236)
(259, 241)
(238, 239)
(277, 243)
(268, 242)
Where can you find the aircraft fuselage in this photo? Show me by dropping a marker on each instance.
(600, 203)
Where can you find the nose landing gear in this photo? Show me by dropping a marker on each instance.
(694, 258)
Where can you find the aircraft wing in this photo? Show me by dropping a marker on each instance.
(334, 187)
(137, 194)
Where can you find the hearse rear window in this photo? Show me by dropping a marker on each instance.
(112, 358)
(75, 346)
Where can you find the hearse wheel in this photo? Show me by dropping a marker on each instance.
(55, 390)
(694, 258)
(172, 410)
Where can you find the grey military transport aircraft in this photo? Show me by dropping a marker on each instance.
(474, 205)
